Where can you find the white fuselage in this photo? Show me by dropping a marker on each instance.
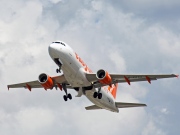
(75, 70)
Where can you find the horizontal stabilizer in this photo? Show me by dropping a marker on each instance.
(93, 107)
(126, 105)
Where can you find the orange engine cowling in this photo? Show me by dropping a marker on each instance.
(46, 81)
(103, 77)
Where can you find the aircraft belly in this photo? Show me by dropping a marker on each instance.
(74, 73)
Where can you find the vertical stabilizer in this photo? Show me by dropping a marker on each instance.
(113, 89)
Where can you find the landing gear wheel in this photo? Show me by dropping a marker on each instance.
(95, 94)
(100, 95)
(65, 90)
(57, 70)
(65, 98)
(69, 96)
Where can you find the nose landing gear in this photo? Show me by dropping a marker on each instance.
(57, 61)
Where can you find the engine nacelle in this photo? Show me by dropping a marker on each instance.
(103, 77)
(46, 81)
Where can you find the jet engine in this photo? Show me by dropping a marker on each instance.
(46, 81)
(103, 77)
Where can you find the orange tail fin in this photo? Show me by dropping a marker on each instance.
(113, 89)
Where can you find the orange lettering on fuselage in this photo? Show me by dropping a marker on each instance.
(86, 68)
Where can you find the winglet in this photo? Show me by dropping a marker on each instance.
(29, 87)
(127, 80)
(8, 87)
(177, 76)
(148, 79)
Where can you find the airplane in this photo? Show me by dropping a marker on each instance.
(100, 87)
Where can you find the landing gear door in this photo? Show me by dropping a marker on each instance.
(58, 62)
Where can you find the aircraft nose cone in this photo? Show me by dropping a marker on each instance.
(52, 50)
(51, 47)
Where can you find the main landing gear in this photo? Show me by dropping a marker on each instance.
(98, 94)
(68, 95)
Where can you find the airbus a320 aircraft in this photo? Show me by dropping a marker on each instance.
(100, 87)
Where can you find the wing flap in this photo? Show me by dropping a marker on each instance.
(92, 107)
(126, 105)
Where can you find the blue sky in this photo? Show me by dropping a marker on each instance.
(119, 36)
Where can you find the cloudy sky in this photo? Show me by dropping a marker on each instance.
(127, 36)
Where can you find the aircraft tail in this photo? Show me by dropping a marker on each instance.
(113, 89)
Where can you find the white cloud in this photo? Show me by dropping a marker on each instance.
(55, 1)
(169, 44)
(26, 121)
(118, 61)
(135, 90)
(164, 111)
(146, 6)
(31, 120)
(22, 24)
(152, 129)
(152, 3)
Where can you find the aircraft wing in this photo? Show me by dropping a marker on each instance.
(32, 84)
(35, 84)
(127, 78)
(126, 105)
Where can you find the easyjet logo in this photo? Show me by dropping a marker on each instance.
(86, 68)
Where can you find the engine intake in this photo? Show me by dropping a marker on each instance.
(103, 77)
(46, 81)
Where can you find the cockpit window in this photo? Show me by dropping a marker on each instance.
(59, 43)
(62, 43)
(56, 42)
